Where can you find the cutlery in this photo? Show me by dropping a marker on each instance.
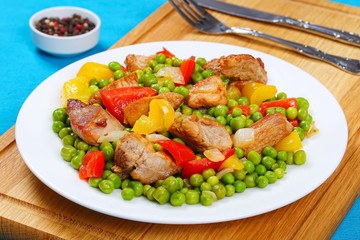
(236, 10)
(205, 22)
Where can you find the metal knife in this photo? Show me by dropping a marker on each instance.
(236, 10)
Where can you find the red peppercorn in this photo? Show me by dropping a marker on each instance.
(62, 30)
(78, 26)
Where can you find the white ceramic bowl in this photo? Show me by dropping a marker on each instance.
(65, 46)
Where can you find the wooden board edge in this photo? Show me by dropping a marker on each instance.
(339, 7)
(7, 138)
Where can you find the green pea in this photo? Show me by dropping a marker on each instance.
(262, 181)
(254, 157)
(93, 148)
(239, 152)
(271, 176)
(94, 182)
(138, 188)
(304, 125)
(128, 193)
(269, 151)
(106, 173)
(160, 58)
(230, 190)
(208, 173)
(256, 116)
(150, 194)
(281, 110)
(177, 62)
(106, 186)
(60, 114)
(109, 165)
(219, 190)
(68, 152)
(253, 108)
(221, 120)
(198, 68)
(201, 61)
(196, 77)
(76, 161)
(207, 73)
(243, 100)
(281, 95)
(149, 79)
(309, 119)
(211, 111)
(302, 114)
(118, 74)
(164, 90)
(290, 158)
(225, 80)
(240, 186)
(177, 199)
(228, 119)
(146, 189)
(270, 111)
(206, 199)
(159, 183)
(237, 123)
(228, 178)
(166, 134)
(213, 180)
(196, 180)
(302, 103)
(268, 162)
(115, 179)
(82, 146)
(161, 195)
(125, 183)
(171, 184)
(281, 164)
(192, 197)
(105, 144)
(231, 103)
(169, 61)
(93, 82)
(301, 132)
(157, 147)
(189, 86)
(300, 157)
(108, 152)
(93, 89)
(170, 84)
(158, 67)
(184, 190)
(240, 174)
(198, 113)
(279, 172)
(250, 181)
(114, 66)
(249, 166)
(180, 182)
(179, 140)
(274, 166)
(65, 131)
(260, 169)
(205, 186)
(282, 155)
(103, 82)
(57, 126)
(156, 86)
(221, 110)
(291, 113)
(237, 112)
(182, 90)
(248, 122)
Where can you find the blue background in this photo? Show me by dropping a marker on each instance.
(23, 67)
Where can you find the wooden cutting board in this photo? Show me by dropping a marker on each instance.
(29, 209)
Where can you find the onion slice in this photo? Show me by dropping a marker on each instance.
(212, 194)
(112, 136)
(214, 155)
(155, 137)
(243, 137)
(173, 73)
(220, 174)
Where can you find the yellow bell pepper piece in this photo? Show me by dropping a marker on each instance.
(258, 92)
(233, 92)
(161, 117)
(77, 88)
(290, 143)
(232, 162)
(92, 70)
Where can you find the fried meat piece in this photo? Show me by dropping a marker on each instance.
(239, 67)
(137, 62)
(136, 109)
(268, 132)
(126, 81)
(209, 92)
(200, 133)
(135, 156)
(90, 122)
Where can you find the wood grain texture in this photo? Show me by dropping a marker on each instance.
(30, 210)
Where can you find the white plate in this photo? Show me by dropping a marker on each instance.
(324, 151)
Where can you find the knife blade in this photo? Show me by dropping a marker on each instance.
(239, 11)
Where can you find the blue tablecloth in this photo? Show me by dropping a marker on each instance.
(23, 67)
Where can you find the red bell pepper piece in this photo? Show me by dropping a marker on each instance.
(199, 165)
(178, 151)
(284, 103)
(294, 122)
(92, 165)
(166, 53)
(115, 100)
(124, 70)
(245, 109)
(187, 68)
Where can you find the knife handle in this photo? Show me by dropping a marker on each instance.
(343, 36)
(347, 64)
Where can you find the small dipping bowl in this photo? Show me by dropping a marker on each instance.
(65, 46)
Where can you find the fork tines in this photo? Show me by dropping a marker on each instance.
(189, 10)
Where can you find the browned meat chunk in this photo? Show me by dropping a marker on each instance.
(127, 81)
(90, 122)
(135, 156)
(137, 62)
(209, 92)
(200, 133)
(269, 131)
(240, 67)
(134, 110)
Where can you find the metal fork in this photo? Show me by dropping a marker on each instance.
(205, 22)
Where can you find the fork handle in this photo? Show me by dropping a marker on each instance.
(347, 64)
